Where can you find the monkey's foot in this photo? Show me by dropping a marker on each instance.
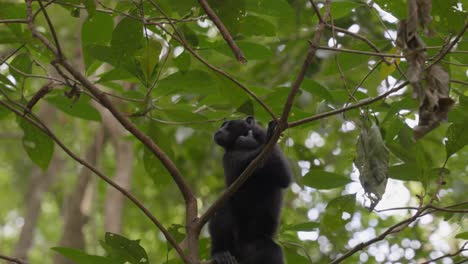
(224, 257)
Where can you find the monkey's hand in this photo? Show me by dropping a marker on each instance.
(224, 257)
(271, 129)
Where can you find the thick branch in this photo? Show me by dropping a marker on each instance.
(223, 30)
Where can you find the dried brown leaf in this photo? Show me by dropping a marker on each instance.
(424, 15)
(436, 101)
(413, 21)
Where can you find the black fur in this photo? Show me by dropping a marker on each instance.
(242, 230)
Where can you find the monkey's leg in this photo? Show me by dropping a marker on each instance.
(221, 228)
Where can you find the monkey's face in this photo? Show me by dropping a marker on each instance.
(229, 131)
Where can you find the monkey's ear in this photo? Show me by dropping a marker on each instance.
(250, 120)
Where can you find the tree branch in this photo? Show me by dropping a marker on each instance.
(393, 229)
(223, 30)
(454, 254)
(344, 109)
(14, 260)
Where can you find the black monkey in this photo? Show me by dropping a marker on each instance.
(242, 230)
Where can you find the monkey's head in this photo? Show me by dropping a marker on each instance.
(231, 130)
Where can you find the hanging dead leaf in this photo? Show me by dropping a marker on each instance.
(424, 15)
(372, 162)
(414, 49)
(436, 101)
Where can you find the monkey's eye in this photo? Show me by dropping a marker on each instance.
(250, 120)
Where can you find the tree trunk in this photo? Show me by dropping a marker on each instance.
(74, 216)
(113, 207)
(39, 183)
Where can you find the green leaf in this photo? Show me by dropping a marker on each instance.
(183, 61)
(122, 249)
(230, 12)
(292, 256)
(463, 235)
(102, 53)
(90, 7)
(13, 10)
(252, 51)
(456, 138)
(4, 112)
(397, 8)
(405, 172)
(96, 30)
(37, 144)
(153, 166)
(21, 64)
(252, 25)
(81, 257)
(81, 108)
(127, 36)
(324, 180)
(307, 226)
(316, 89)
(342, 8)
(276, 8)
(191, 82)
(7, 83)
(148, 57)
(333, 222)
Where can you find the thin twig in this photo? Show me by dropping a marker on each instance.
(224, 31)
(13, 21)
(51, 27)
(456, 253)
(14, 260)
(459, 82)
(11, 54)
(344, 109)
(361, 52)
(391, 230)
(447, 49)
